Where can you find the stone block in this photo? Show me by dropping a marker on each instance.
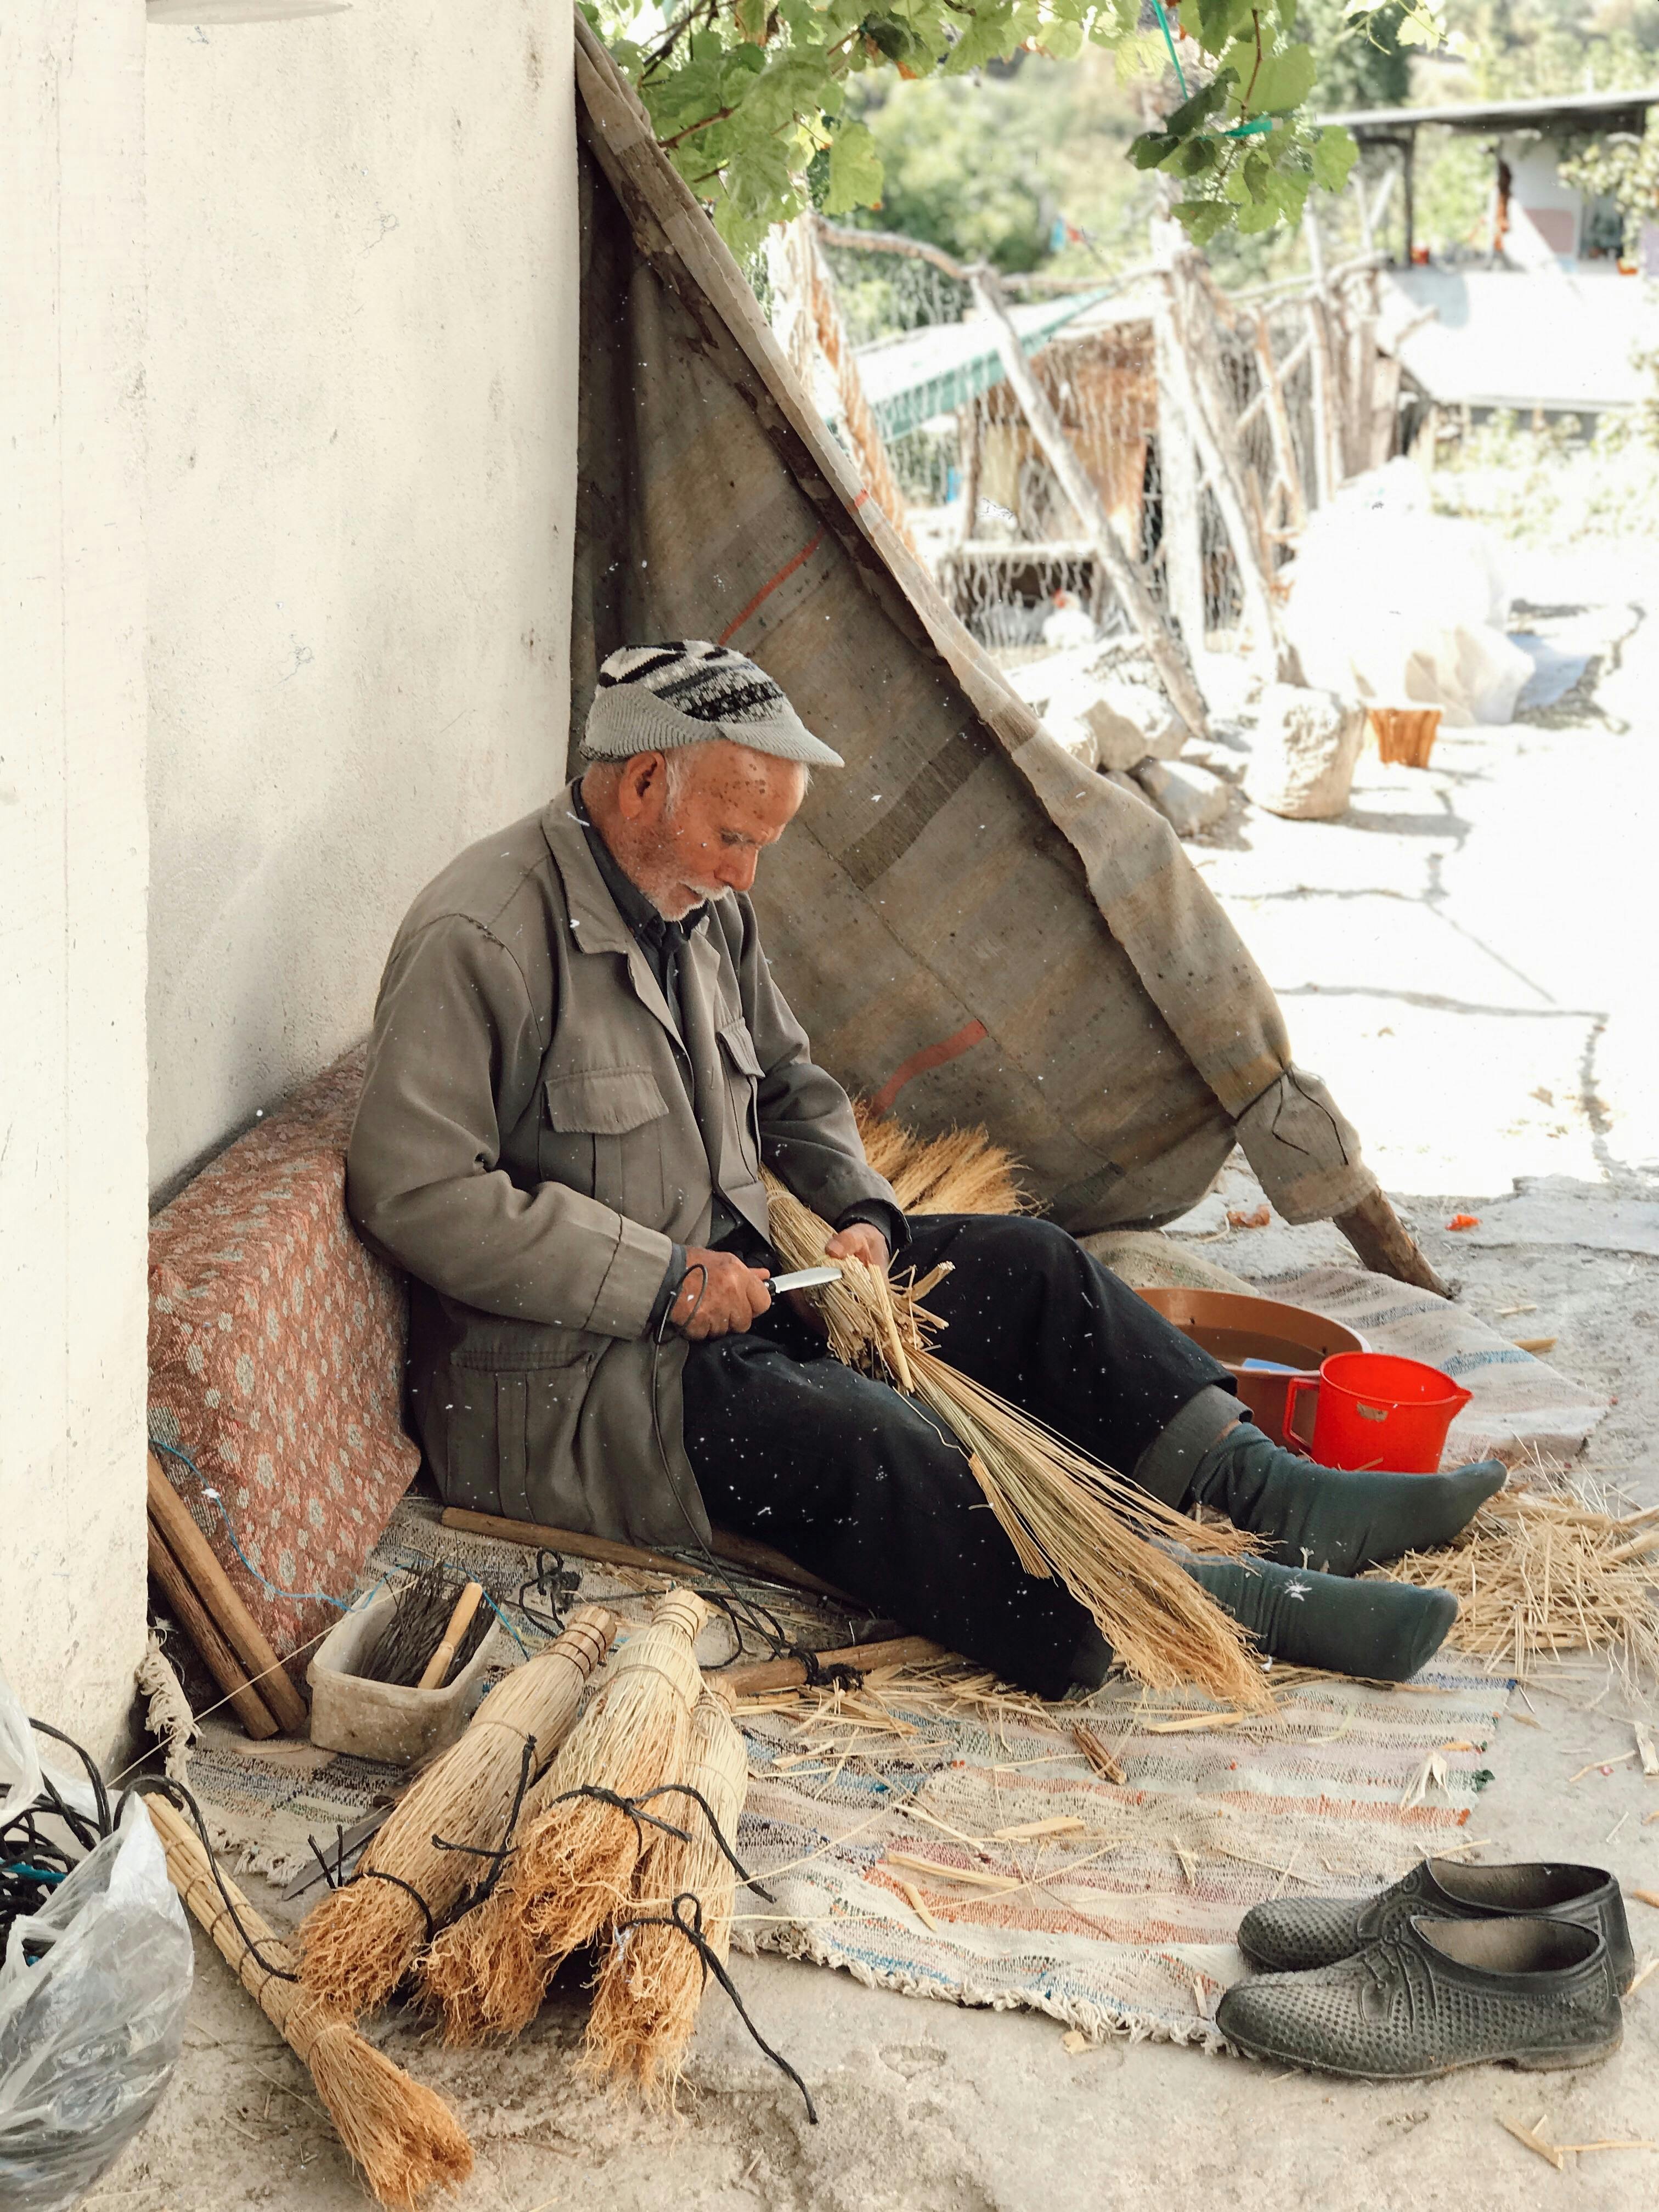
(1307, 745)
(1189, 798)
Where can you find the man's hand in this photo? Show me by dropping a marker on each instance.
(860, 1240)
(734, 1295)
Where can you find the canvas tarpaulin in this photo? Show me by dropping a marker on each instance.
(970, 927)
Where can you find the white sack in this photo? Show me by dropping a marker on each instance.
(1398, 607)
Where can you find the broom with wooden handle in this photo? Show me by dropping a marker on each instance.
(652, 1982)
(1063, 1513)
(360, 1941)
(402, 2134)
(576, 1860)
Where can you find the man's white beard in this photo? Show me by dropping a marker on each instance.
(704, 896)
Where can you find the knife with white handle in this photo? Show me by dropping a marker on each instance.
(807, 1279)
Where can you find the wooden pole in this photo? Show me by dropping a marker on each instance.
(739, 1550)
(1383, 1242)
(221, 1660)
(1325, 472)
(1180, 496)
(218, 1595)
(972, 455)
(1128, 579)
(789, 1674)
(1279, 423)
(1197, 392)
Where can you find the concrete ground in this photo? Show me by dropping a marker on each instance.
(1467, 958)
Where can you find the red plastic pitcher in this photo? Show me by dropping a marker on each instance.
(1377, 1410)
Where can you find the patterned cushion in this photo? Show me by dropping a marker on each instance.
(276, 1348)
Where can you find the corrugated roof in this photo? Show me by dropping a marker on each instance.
(1580, 108)
(930, 372)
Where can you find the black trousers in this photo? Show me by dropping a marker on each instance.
(861, 1485)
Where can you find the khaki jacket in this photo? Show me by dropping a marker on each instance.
(529, 1148)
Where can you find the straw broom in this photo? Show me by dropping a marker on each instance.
(361, 1940)
(575, 1862)
(1063, 1513)
(645, 2006)
(402, 2134)
(961, 1172)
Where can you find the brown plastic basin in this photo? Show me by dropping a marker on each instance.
(1233, 1328)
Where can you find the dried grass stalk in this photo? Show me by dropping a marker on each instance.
(1545, 1569)
(961, 1172)
(652, 1982)
(360, 1941)
(574, 1865)
(1063, 1513)
(402, 2134)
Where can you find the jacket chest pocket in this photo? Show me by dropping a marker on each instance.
(603, 1134)
(741, 1066)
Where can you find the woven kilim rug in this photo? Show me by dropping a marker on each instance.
(977, 1855)
(950, 1842)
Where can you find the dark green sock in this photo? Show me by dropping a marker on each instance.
(1327, 1518)
(1381, 1631)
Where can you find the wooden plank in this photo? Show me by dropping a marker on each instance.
(740, 1551)
(218, 1595)
(221, 1660)
(763, 1675)
(1080, 487)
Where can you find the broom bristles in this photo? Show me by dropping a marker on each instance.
(652, 1983)
(574, 1864)
(360, 1940)
(960, 1172)
(1063, 1513)
(404, 2135)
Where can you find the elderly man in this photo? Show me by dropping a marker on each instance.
(580, 1062)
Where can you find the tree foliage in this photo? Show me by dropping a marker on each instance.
(748, 95)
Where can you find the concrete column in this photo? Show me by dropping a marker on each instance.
(73, 862)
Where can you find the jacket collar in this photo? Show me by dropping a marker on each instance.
(596, 922)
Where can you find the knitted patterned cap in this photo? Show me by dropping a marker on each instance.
(652, 697)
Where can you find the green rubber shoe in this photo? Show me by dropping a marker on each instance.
(1436, 1995)
(1288, 1934)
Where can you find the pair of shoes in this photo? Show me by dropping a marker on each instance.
(1454, 1966)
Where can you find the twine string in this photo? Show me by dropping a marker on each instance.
(692, 1929)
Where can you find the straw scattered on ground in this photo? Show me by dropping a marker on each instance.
(1548, 1567)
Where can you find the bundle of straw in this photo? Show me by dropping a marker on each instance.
(961, 1172)
(403, 2134)
(645, 2005)
(1547, 1569)
(1063, 1513)
(574, 1865)
(359, 1943)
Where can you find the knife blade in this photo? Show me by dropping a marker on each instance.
(807, 1279)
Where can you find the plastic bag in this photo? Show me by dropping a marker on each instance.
(93, 1991)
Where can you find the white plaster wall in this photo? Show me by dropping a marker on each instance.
(362, 382)
(72, 861)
